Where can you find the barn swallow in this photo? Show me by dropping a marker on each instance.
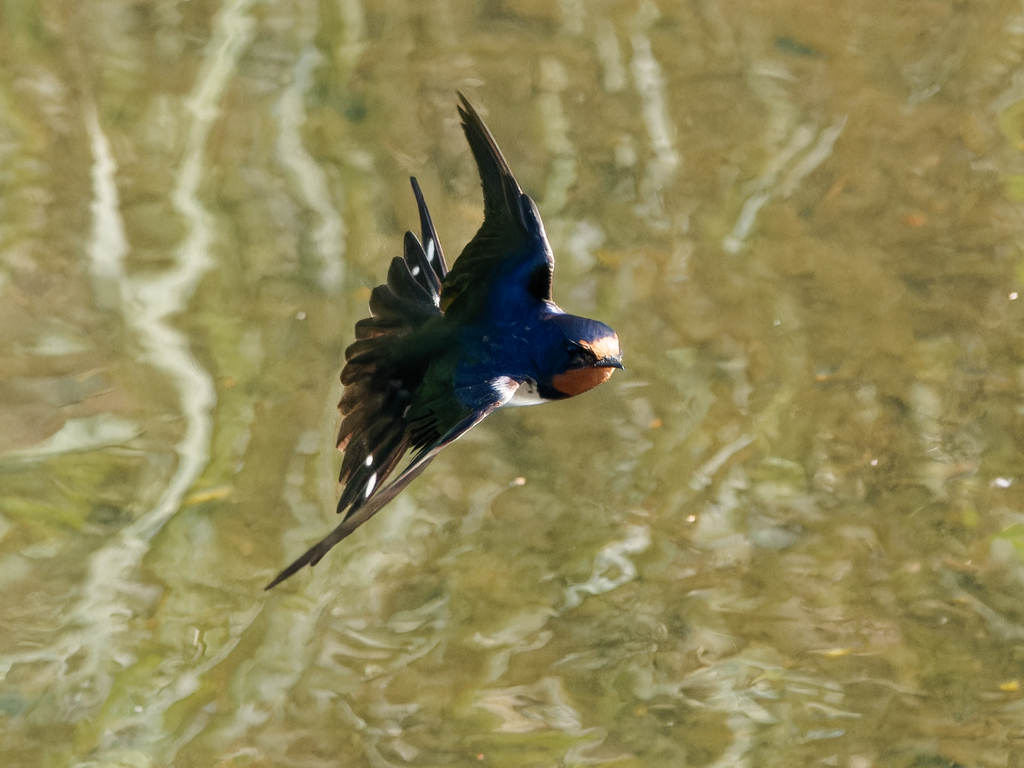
(443, 349)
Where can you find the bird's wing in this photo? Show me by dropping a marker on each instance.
(486, 397)
(511, 232)
(382, 373)
(380, 377)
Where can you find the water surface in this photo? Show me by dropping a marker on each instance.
(790, 533)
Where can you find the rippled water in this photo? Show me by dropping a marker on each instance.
(790, 533)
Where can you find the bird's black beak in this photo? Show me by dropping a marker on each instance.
(610, 362)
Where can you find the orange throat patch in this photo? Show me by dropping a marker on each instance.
(580, 380)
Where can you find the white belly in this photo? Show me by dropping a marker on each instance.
(526, 394)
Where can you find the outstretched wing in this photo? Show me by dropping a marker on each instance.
(486, 397)
(382, 372)
(511, 240)
(380, 377)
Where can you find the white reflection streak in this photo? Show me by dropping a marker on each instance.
(523, 633)
(102, 612)
(573, 14)
(526, 708)
(553, 80)
(606, 43)
(329, 233)
(108, 245)
(611, 557)
(765, 187)
(546, 706)
(155, 299)
(650, 84)
(704, 475)
(800, 140)
(272, 669)
(818, 154)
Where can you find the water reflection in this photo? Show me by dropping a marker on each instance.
(791, 533)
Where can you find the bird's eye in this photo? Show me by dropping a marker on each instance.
(580, 357)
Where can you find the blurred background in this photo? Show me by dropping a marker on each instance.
(790, 533)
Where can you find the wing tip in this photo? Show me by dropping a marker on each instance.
(501, 189)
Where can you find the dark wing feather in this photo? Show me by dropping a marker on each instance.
(378, 388)
(431, 243)
(502, 194)
(511, 228)
(381, 377)
(488, 398)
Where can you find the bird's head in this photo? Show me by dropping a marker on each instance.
(587, 355)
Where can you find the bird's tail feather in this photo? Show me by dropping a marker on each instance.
(314, 554)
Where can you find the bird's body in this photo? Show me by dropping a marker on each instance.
(443, 349)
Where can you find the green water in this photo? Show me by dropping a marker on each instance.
(790, 533)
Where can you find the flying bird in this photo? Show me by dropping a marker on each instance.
(443, 349)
